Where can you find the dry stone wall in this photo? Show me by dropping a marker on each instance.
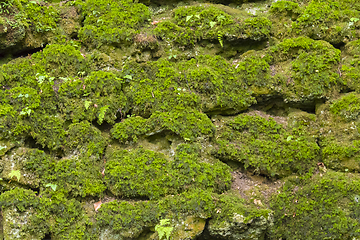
(152, 119)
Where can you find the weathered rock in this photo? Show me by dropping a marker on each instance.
(240, 228)
(266, 144)
(190, 228)
(339, 134)
(15, 225)
(13, 167)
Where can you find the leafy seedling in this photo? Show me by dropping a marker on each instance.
(15, 173)
(53, 186)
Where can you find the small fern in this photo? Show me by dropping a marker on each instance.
(163, 229)
(220, 38)
(102, 113)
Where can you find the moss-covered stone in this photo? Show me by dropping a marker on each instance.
(13, 167)
(74, 176)
(350, 65)
(231, 221)
(108, 22)
(324, 206)
(50, 213)
(339, 133)
(206, 82)
(98, 97)
(29, 25)
(266, 146)
(306, 70)
(85, 140)
(191, 24)
(195, 204)
(318, 19)
(127, 172)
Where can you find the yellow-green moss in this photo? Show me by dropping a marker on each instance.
(109, 22)
(128, 174)
(306, 69)
(323, 207)
(191, 24)
(266, 146)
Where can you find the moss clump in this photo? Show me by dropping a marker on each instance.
(325, 206)
(348, 107)
(74, 176)
(116, 215)
(328, 20)
(41, 18)
(60, 61)
(109, 22)
(129, 129)
(306, 70)
(206, 82)
(350, 65)
(266, 146)
(254, 70)
(97, 96)
(127, 174)
(24, 20)
(340, 140)
(287, 7)
(63, 218)
(187, 123)
(194, 23)
(86, 140)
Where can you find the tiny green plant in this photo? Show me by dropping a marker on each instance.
(354, 19)
(212, 24)
(15, 173)
(87, 104)
(220, 38)
(163, 229)
(25, 111)
(53, 186)
(188, 17)
(102, 113)
(128, 77)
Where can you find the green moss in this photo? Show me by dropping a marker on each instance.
(325, 206)
(108, 22)
(348, 107)
(254, 70)
(127, 174)
(190, 24)
(84, 99)
(189, 124)
(17, 73)
(42, 18)
(306, 69)
(120, 216)
(287, 7)
(327, 20)
(266, 146)
(257, 28)
(73, 176)
(350, 65)
(86, 140)
(339, 133)
(63, 218)
(206, 82)
(185, 122)
(60, 61)
(129, 129)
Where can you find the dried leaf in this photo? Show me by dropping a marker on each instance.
(97, 205)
